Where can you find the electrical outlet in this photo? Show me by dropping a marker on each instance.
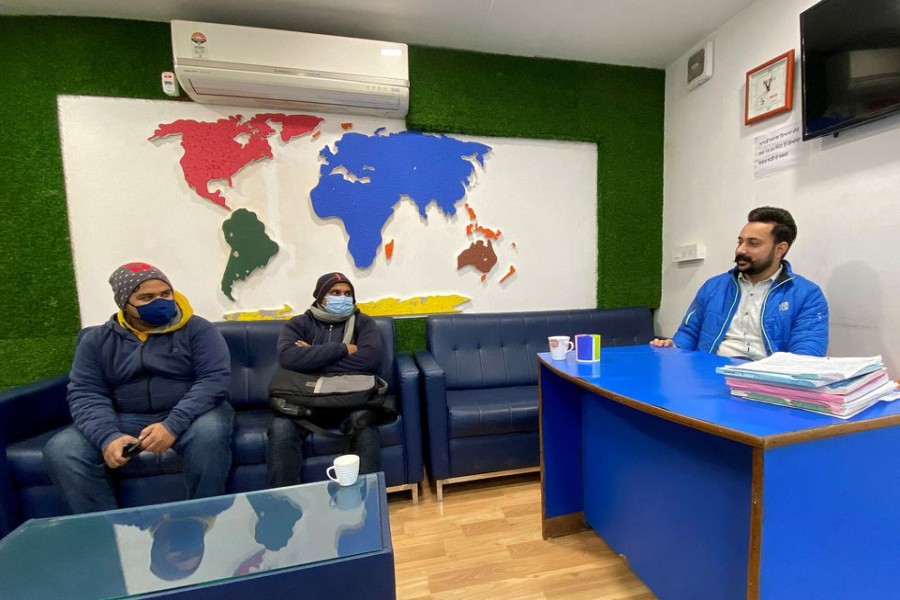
(689, 252)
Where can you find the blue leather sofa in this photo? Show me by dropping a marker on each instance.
(480, 384)
(31, 414)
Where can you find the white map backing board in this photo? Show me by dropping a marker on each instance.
(128, 200)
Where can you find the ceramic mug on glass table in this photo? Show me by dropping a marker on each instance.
(345, 469)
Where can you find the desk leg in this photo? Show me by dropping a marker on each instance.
(559, 408)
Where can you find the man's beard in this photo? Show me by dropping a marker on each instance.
(755, 267)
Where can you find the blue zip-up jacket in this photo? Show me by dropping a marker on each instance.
(794, 315)
(179, 373)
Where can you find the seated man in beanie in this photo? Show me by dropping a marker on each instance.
(155, 375)
(331, 337)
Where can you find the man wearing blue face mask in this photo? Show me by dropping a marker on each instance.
(331, 337)
(153, 377)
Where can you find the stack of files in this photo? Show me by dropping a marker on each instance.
(839, 387)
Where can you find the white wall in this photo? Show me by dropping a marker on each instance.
(845, 198)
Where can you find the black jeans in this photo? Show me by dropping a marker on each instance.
(284, 451)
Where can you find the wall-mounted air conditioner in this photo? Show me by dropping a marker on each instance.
(266, 68)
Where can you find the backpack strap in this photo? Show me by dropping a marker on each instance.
(320, 430)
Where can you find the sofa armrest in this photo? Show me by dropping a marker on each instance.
(33, 409)
(436, 416)
(407, 374)
(25, 412)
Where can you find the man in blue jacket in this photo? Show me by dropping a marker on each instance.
(761, 306)
(155, 376)
(331, 337)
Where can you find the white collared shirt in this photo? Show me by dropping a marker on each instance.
(744, 336)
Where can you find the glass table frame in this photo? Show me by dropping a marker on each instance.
(322, 538)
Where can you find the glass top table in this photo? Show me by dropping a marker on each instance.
(142, 550)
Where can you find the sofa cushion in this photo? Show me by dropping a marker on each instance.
(248, 444)
(492, 411)
(253, 360)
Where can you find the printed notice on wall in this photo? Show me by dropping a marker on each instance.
(778, 150)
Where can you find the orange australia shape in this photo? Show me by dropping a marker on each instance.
(478, 255)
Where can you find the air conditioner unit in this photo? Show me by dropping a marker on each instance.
(266, 68)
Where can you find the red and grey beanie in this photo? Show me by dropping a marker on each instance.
(129, 276)
(328, 281)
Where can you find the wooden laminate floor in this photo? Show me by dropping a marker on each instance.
(484, 542)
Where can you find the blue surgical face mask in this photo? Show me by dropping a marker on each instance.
(339, 305)
(158, 312)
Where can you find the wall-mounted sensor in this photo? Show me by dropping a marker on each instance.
(170, 84)
(700, 65)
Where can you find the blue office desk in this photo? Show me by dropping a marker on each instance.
(711, 496)
(317, 540)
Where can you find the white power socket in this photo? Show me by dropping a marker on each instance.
(689, 252)
(170, 84)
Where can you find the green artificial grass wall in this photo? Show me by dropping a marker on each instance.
(43, 57)
(620, 108)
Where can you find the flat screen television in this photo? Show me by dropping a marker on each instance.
(850, 63)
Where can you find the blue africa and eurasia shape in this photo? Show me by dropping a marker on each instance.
(365, 177)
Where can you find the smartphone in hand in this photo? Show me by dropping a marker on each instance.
(129, 450)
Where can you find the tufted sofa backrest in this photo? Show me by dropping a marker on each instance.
(499, 349)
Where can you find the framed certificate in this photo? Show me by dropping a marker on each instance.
(769, 88)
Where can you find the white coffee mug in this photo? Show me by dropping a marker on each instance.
(345, 469)
(559, 345)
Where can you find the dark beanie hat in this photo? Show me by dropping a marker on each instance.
(129, 276)
(328, 281)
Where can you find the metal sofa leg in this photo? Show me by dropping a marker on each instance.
(412, 487)
(442, 482)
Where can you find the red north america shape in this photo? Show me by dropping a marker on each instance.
(218, 150)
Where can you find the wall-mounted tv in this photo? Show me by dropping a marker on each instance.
(850, 63)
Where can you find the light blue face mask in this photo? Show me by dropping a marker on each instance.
(339, 305)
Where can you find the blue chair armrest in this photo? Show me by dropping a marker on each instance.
(25, 412)
(33, 409)
(10, 513)
(407, 374)
(436, 416)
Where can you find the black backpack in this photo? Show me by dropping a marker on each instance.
(358, 400)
